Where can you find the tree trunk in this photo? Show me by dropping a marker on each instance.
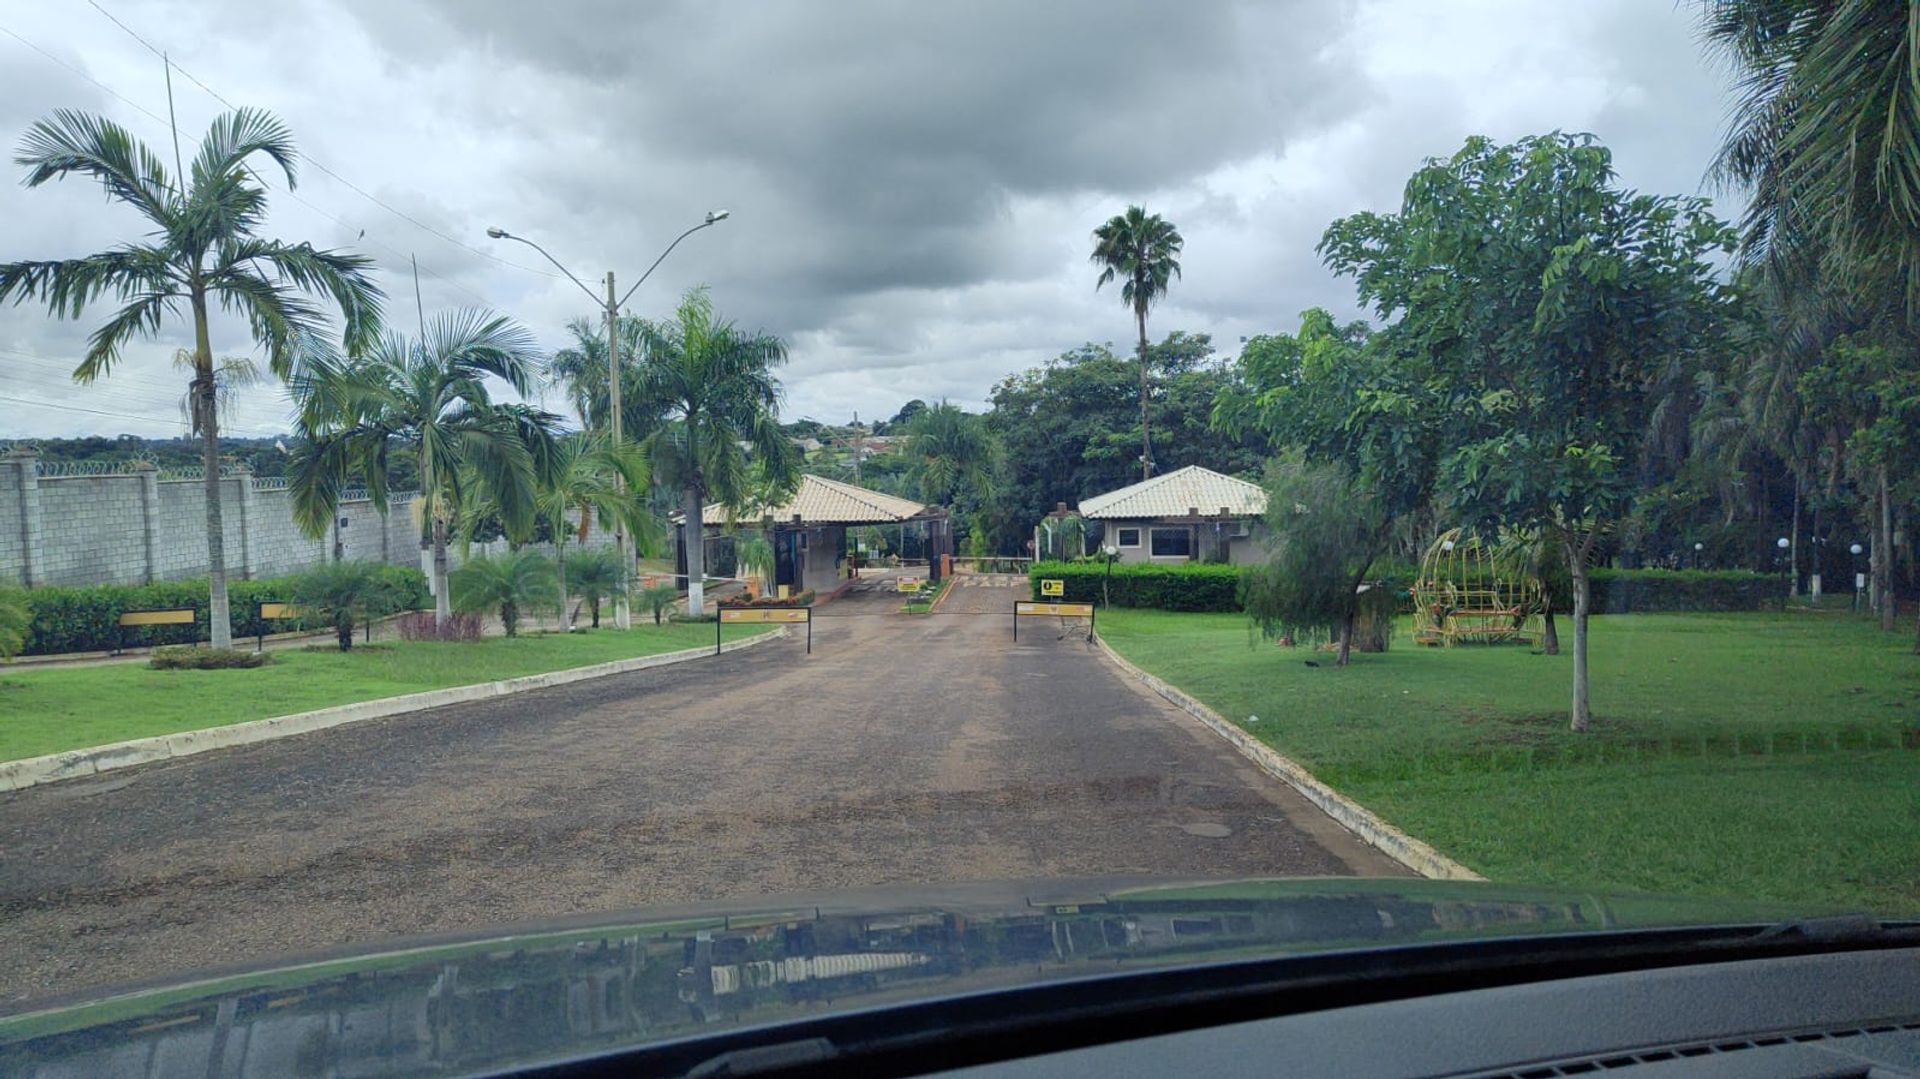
(1146, 436)
(343, 631)
(1345, 653)
(1549, 632)
(206, 407)
(442, 602)
(510, 618)
(560, 563)
(695, 543)
(1793, 545)
(1883, 547)
(1582, 602)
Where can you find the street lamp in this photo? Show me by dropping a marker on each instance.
(611, 307)
(1786, 584)
(1697, 548)
(1853, 566)
(1106, 597)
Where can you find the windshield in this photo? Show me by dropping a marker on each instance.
(805, 507)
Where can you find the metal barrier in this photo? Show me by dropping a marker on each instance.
(1026, 608)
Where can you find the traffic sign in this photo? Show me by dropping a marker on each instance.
(1053, 586)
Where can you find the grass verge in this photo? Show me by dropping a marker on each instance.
(46, 711)
(1761, 756)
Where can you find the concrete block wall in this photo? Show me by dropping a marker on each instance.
(134, 527)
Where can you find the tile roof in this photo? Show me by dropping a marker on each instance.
(825, 501)
(1176, 494)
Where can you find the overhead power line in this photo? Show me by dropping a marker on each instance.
(294, 195)
(350, 185)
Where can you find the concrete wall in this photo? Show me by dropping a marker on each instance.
(818, 569)
(133, 527)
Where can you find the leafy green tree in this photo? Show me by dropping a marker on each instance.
(430, 395)
(341, 592)
(514, 583)
(1540, 304)
(1141, 251)
(596, 575)
(720, 440)
(951, 455)
(202, 249)
(1325, 532)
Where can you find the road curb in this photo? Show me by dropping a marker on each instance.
(79, 763)
(1356, 818)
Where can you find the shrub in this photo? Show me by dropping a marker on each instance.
(1629, 591)
(693, 619)
(339, 592)
(513, 582)
(14, 619)
(195, 658)
(1187, 586)
(86, 618)
(419, 626)
(596, 575)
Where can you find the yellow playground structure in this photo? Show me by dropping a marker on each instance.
(1470, 591)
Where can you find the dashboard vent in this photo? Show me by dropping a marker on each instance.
(1655, 1054)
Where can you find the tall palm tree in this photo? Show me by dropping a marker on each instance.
(720, 440)
(201, 250)
(584, 480)
(1142, 251)
(949, 452)
(431, 395)
(581, 368)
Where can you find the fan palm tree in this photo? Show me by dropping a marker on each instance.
(341, 592)
(430, 395)
(512, 583)
(949, 452)
(753, 555)
(720, 439)
(1142, 251)
(201, 250)
(585, 480)
(597, 574)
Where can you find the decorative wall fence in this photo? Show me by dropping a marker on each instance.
(134, 524)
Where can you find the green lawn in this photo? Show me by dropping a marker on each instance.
(47, 710)
(1765, 756)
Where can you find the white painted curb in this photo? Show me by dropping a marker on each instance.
(76, 763)
(1358, 819)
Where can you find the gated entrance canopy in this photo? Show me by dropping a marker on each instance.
(808, 531)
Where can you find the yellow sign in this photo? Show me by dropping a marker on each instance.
(157, 618)
(1061, 610)
(279, 610)
(763, 614)
(1053, 586)
(909, 584)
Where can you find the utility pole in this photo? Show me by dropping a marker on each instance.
(622, 614)
(856, 449)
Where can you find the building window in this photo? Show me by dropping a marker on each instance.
(1129, 537)
(1172, 543)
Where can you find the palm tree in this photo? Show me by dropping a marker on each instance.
(950, 452)
(598, 574)
(582, 369)
(585, 480)
(430, 395)
(715, 388)
(658, 598)
(201, 249)
(1142, 250)
(753, 554)
(513, 582)
(341, 592)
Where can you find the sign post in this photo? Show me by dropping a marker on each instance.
(1053, 586)
(763, 616)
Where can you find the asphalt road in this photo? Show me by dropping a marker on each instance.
(906, 750)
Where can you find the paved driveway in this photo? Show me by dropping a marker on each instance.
(905, 750)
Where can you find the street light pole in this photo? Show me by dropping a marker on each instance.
(610, 307)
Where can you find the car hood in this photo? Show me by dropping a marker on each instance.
(562, 989)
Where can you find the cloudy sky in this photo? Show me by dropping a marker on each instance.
(912, 186)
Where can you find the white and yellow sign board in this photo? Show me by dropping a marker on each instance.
(1061, 610)
(1053, 586)
(909, 584)
(764, 615)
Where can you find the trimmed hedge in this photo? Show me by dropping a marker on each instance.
(87, 619)
(1186, 586)
(795, 599)
(1629, 591)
